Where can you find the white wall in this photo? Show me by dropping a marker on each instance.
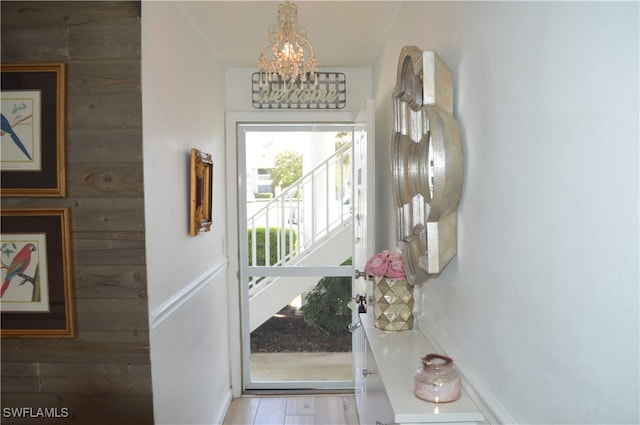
(183, 107)
(540, 307)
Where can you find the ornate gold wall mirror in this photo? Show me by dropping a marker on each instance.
(426, 163)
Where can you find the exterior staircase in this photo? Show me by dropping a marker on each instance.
(311, 233)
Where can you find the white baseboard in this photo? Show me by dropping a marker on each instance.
(225, 408)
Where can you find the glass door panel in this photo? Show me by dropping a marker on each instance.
(295, 256)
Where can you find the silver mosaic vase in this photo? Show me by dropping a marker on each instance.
(393, 304)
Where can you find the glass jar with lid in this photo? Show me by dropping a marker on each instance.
(437, 380)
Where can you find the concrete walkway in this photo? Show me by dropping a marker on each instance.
(301, 366)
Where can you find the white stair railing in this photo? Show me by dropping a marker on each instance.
(304, 214)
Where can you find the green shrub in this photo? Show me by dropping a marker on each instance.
(263, 195)
(273, 244)
(326, 304)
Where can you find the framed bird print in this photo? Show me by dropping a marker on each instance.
(32, 131)
(201, 207)
(36, 296)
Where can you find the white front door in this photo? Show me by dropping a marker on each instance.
(291, 240)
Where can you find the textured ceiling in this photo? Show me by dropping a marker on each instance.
(343, 33)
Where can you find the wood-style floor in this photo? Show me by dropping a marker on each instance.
(293, 410)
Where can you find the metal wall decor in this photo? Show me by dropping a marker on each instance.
(426, 163)
(328, 91)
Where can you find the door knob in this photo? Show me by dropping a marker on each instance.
(367, 372)
(353, 326)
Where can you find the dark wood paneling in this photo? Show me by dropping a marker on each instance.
(103, 76)
(104, 281)
(72, 352)
(118, 248)
(103, 409)
(114, 314)
(32, 14)
(34, 44)
(104, 215)
(103, 375)
(20, 377)
(95, 378)
(115, 38)
(104, 146)
(107, 111)
(109, 180)
(134, 339)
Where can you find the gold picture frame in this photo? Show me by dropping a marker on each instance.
(32, 99)
(201, 205)
(37, 291)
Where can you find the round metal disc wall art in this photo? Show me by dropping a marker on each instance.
(426, 163)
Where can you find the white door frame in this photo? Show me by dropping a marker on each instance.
(232, 208)
(363, 165)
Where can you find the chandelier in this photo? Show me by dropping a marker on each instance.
(286, 53)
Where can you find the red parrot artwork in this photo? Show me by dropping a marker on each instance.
(18, 265)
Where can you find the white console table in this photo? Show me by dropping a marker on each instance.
(390, 360)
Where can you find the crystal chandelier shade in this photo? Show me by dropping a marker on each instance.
(286, 52)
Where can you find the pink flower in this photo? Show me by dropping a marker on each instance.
(386, 264)
(395, 269)
(377, 264)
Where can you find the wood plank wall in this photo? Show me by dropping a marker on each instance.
(103, 375)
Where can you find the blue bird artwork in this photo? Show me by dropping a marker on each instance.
(7, 128)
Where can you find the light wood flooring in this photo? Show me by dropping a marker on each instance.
(293, 410)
